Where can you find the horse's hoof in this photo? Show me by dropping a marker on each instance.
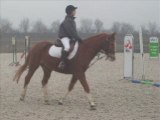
(60, 102)
(21, 99)
(93, 107)
(46, 102)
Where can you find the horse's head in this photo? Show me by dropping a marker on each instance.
(109, 47)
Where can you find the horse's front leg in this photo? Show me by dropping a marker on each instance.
(70, 88)
(83, 81)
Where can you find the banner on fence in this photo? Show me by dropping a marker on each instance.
(153, 47)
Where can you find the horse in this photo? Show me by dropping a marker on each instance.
(77, 66)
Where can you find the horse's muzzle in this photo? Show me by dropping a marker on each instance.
(113, 58)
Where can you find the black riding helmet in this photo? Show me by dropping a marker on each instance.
(69, 9)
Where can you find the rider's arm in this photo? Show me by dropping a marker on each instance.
(70, 28)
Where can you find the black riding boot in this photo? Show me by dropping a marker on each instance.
(64, 59)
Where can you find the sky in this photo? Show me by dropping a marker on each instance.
(135, 12)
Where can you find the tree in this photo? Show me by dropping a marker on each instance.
(86, 25)
(126, 28)
(99, 25)
(24, 25)
(153, 28)
(144, 30)
(55, 26)
(39, 27)
(116, 27)
(5, 26)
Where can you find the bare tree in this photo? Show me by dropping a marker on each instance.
(39, 27)
(126, 28)
(153, 28)
(144, 29)
(55, 26)
(5, 26)
(24, 25)
(86, 26)
(99, 25)
(116, 27)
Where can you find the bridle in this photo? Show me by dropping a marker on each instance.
(106, 53)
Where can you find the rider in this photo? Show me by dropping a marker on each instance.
(68, 32)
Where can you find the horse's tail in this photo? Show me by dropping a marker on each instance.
(21, 69)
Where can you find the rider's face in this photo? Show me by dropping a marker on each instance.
(74, 13)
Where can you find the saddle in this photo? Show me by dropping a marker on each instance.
(56, 49)
(58, 43)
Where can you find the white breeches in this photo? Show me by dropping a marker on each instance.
(66, 43)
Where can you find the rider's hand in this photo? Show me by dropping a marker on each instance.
(80, 41)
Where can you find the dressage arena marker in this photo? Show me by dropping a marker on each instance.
(129, 58)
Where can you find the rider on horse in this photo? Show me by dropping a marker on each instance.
(68, 33)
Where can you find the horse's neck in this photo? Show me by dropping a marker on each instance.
(91, 48)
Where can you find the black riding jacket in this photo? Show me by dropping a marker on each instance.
(68, 29)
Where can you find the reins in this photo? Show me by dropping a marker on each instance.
(98, 55)
(97, 59)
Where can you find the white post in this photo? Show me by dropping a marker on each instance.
(26, 46)
(27, 41)
(14, 50)
(128, 56)
(13, 41)
(142, 53)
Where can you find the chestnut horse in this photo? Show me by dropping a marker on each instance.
(77, 66)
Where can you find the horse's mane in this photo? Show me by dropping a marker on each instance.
(95, 37)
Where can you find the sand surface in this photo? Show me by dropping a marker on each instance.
(116, 99)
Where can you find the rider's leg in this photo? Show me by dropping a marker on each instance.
(66, 43)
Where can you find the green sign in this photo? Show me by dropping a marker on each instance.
(154, 47)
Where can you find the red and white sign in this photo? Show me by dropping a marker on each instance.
(128, 56)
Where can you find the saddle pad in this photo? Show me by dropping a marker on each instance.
(57, 51)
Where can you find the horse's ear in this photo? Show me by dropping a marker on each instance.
(113, 34)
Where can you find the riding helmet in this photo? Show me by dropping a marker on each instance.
(69, 9)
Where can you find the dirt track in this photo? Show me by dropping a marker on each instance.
(116, 99)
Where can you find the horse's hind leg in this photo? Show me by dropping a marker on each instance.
(45, 79)
(70, 88)
(27, 80)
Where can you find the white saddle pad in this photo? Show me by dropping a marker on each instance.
(57, 51)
